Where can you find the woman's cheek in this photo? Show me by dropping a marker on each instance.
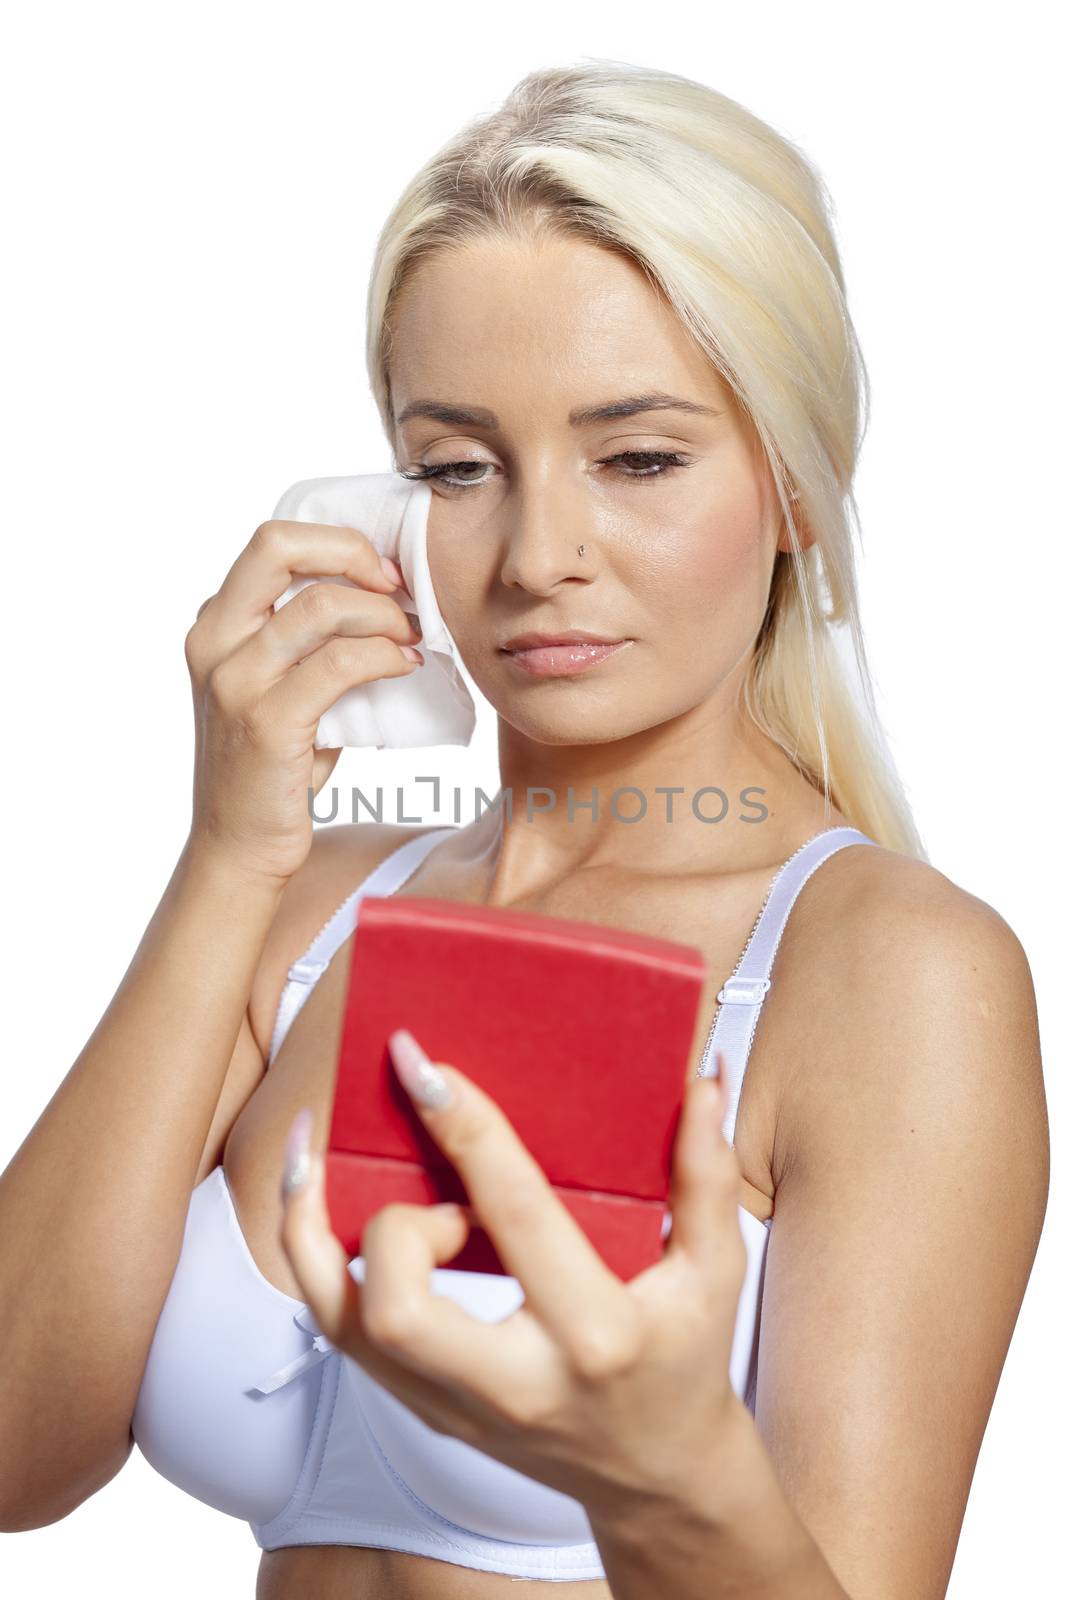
(452, 577)
(702, 557)
(710, 575)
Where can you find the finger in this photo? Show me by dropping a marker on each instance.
(411, 1341)
(277, 552)
(307, 691)
(329, 637)
(318, 614)
(483, 1364)
(325, 610)
(536, 1237)
(705, 1180)
(315, 1253)
(321, 1266)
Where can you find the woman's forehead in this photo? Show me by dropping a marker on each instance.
(561, 320)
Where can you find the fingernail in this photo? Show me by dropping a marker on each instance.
(296, 1165)
(423, 1082)
(713, 1097)
(722, 1083)
(391, 570)
(411, 653)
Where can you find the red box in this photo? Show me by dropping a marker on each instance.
(581, 1034)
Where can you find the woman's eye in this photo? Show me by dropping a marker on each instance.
(650, 464)
(444, 472)
(655, 463)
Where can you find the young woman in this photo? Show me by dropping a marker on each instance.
(607, 324)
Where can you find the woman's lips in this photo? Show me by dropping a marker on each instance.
(558, 660)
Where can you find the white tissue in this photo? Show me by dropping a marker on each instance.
(431, 705)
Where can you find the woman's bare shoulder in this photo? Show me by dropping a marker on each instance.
(340, 858)
(866, 891)
(894, 971)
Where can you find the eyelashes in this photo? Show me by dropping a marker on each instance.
(657, 464)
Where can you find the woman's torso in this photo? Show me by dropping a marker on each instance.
(714, 913)
(236, 1217)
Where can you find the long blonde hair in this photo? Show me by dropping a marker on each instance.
(731, 223)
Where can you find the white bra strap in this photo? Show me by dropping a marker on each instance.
(742, 995)
(305, 973)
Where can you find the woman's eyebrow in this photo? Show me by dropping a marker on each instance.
(636, 404)
(479, 417)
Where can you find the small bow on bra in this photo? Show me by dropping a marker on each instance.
(320, 1349)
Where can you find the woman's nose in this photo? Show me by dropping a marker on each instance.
(543, 529)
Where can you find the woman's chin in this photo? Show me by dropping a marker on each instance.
(574, 727)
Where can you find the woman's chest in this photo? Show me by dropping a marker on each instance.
(716, 921)
(302, 1074)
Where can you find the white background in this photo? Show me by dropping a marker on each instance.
(190, 202)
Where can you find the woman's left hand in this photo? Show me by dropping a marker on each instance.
(609, 1391)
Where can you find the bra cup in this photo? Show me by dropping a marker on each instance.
(450, 1478)
(470, 1489)
(197, 1420)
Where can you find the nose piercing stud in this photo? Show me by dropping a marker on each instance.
(581, 549)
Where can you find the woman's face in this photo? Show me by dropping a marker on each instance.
(506, 341)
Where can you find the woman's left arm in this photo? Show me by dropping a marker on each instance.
(911, 1197)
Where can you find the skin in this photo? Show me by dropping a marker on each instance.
(895, 1081)
(681, 563)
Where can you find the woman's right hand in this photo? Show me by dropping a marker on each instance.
(262, 679)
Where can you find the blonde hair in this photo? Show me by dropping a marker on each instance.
(732, 224)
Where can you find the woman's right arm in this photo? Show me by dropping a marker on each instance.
(93, 1203)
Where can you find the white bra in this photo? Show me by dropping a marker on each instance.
(247, 1406)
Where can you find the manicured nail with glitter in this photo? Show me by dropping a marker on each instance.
(296, 1167)
(417, 1072)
